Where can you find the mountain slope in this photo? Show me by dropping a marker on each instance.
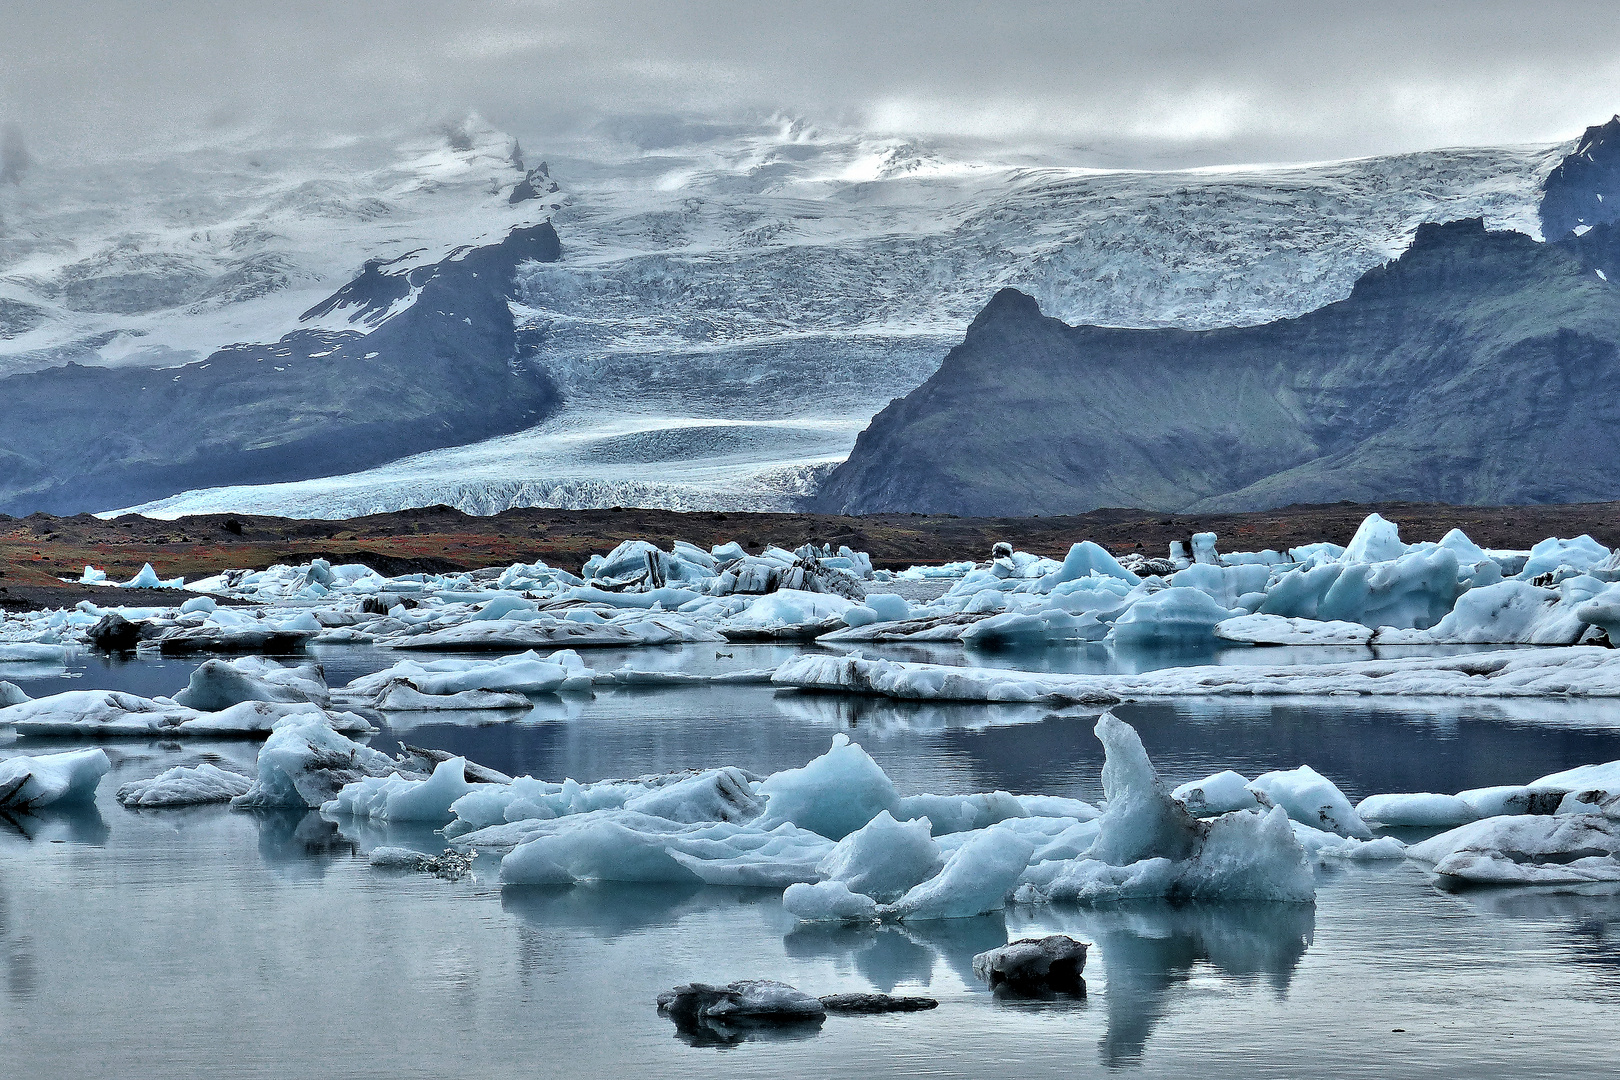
(733, 310)
(444, 364)
(1476, 368)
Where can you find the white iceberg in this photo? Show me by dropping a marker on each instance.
(398, 798)
(1311, 799)
(185, 786)
(884, 858)
(1536, 849)
(833, 795)
(32, 783)
(305, 763)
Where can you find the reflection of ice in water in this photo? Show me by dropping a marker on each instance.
(72, 824)
(1146, 949)
(1584, 921)
(299, 844)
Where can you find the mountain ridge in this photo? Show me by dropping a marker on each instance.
(1470, 370)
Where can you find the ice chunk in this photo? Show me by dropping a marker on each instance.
(1581, 553)
(401, 695)
(622, 845)
(185, 786)
(828, 901)
(1223, 584)
(1141, 821)
(1313, 799)
(219, 684)
(1203, 548)
(1575, 671)
(1325, 847)
(884, 858)
(1420, 810)
(713, 795)
(1176, 616)
(833, 795)
(1376, 540)
(1603, 611)
(1510, 612)
(1414, 591)
(1149, 846)
(12, 694)
(32, 783)
(148, 579)
(1083, 560)
(1558, 849)
(1052, 626)
(963, 813)
(306, 763)
(976, 878)
(1496, 801)
(1282, 630)
(395, 798)
(1221, 793)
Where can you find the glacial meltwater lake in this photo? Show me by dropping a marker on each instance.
(209, 942)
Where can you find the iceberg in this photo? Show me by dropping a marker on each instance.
(1149, 847)
(1556, 850)
(219, 684)
(1282, 630)
(1311, 799)
(1420, 810)
(397, 798)
(1221, 793)
(1569, 671)
(33, 783)
(828, 901)
(976, 878)
(1170, 617)
(834, 795)
(305, 763)
(884, 858)
(184, 786)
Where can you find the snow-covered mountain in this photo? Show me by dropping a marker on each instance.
(730, 310)
(163, 257)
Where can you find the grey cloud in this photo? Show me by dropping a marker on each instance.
(1172, 82)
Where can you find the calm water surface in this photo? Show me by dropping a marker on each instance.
(208, 942)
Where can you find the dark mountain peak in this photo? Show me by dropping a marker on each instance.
(535, 183)
(1436, 234)
(1584, 188)
(1008, 303)
(1595, 136)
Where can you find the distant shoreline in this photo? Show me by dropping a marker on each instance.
(37, 551)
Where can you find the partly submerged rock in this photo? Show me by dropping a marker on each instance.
(748, 999)
(872, 1004)
(1035, 965)
(114, 633)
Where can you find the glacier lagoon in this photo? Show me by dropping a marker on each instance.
(222, 942)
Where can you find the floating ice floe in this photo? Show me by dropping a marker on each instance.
(219, 684)
(1556, 849)
(185, 786)
(504, 678)
(632, 629)
(1571, 671)
(398, 798)
(306, 762)
(110, 713)
(33, 783)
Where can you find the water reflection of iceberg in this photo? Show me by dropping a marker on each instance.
(1585, 921)
(300, 844)
(609, 910)
(891, 956)
(874, 715)
(74, 824)
(1146, 949)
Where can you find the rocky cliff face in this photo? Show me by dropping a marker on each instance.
(1573, 193)
(1479, 367)
(441, 365)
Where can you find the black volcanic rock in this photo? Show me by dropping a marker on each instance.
(447, 370)
(1584, 189)
(1478, 368)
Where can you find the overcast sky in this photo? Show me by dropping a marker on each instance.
(1139, 83)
